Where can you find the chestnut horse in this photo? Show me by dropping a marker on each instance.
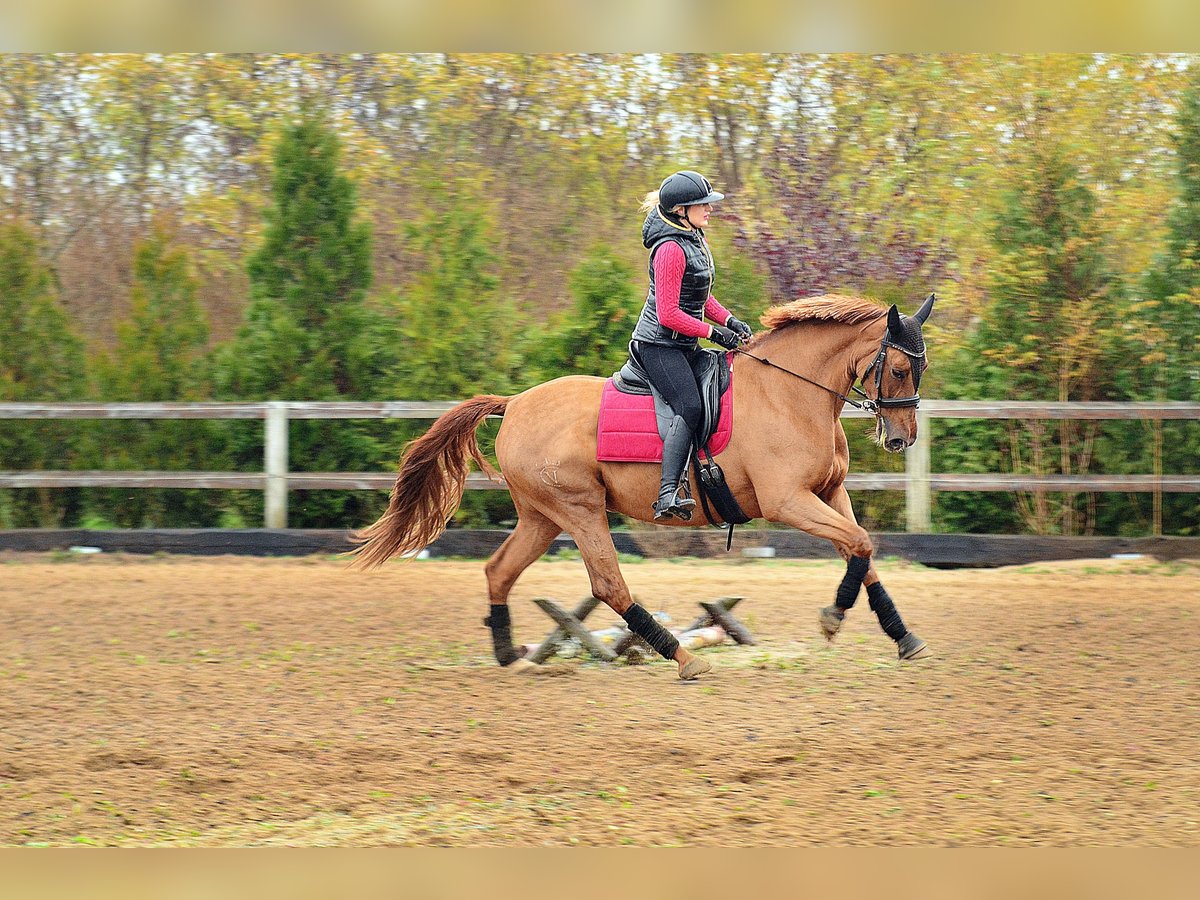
(786, 462)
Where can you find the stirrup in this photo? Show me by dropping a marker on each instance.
(683, 507)
(682, 503)
(683, 513)
(674, 505)
(664, 507)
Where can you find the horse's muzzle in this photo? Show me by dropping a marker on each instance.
(896, 445)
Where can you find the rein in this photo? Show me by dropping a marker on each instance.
(867, 404)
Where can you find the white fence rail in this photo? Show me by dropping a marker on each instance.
(917, 482)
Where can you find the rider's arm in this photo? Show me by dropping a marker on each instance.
(715, 311)
(669, 264)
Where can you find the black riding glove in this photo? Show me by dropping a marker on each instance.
(726, 338)
(737, 325)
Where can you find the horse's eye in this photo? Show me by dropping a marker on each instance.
(898, 375)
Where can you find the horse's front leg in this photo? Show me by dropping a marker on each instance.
(860, 571)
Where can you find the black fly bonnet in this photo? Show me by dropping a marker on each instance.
(903, 333)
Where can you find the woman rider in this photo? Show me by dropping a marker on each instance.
(666, 338)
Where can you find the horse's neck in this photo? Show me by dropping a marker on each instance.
(831, 354)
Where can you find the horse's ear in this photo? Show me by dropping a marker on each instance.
(926, 308)
(894, 320)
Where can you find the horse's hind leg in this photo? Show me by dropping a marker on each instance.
(589, 528)
(860, 571)
(529, 540)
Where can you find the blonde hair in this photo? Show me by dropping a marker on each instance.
(649, 202)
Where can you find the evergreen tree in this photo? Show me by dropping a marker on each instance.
(1165, 325)
(461, 334)
(41, 359)
(1168, 321)
(310, 333)
(160, 345)
(1051, 331)
(592, 338)
(310, 276)
(159, 356)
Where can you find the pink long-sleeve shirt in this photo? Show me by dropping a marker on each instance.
(669, 264)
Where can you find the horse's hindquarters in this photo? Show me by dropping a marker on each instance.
(546, 446)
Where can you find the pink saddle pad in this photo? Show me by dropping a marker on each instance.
(628, 431)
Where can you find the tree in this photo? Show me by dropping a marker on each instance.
(310, 333)
(461, 335)
(160, 355)
(592, 338)
(161, 343)
(41, 359)
(823, 236)
(1051, 330)
(1166, 322)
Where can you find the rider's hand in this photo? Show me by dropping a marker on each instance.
(726, 338)
(738, 326)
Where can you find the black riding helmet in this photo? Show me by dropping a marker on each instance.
(686, 188)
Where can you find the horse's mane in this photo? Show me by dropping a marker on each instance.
(826, 308)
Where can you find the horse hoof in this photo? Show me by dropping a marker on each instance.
(831, 620)
(910, 647)
(519, 666)
(693, 668)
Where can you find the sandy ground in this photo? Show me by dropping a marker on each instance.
(230, 702)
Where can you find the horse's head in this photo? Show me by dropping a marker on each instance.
(896, 375)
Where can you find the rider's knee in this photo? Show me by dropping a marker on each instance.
(691, 413)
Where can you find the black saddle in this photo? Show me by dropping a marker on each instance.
(712, 379)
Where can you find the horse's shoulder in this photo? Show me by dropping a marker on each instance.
(841, 445)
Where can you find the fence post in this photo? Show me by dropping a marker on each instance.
(917, 494)
(275, 460)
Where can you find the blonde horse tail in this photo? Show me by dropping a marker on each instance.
(430, 485)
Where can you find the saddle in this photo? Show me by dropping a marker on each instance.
(713, 376)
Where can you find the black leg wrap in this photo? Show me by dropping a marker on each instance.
(889, 619)
(647, 628)
(856, 571)
(500, 623)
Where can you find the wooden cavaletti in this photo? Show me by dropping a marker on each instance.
(716, 625)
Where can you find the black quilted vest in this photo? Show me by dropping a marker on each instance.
(698, 277)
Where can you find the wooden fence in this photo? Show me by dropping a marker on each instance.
(917, 482)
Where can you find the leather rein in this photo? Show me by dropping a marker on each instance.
(867, 404)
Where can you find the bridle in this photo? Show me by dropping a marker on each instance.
(918, 363)
(870, 405)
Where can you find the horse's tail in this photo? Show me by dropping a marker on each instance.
(429, 487)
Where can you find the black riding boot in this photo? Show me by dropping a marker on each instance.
(676, 450)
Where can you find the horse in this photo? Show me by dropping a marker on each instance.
(786, 462)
